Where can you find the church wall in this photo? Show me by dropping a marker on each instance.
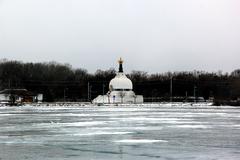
(117, 99)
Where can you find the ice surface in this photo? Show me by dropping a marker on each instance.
(191, 126)
(139, 141)
(100, 133)
(131, 132)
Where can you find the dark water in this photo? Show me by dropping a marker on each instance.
(119, 132)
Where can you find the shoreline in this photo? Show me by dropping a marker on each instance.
(166, 104)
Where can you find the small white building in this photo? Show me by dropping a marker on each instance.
(120, 90)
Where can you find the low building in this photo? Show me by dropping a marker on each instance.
(120, 90)
(19, 96)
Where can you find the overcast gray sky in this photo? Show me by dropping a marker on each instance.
(150, 35)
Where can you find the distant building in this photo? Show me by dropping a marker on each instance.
(195, 99)
(19, 96)
(120, 90)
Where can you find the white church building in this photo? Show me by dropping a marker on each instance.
(120, 90)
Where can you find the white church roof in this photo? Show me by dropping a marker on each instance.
(120, 81)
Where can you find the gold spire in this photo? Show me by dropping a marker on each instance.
(120, 61)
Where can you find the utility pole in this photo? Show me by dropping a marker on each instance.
(64, 94)
(186, 96)
(194, 93)
(9, 84)
(88, 91)
(103, 92)
(103, 89)
(171, 88)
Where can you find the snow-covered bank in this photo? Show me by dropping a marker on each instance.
(88, 104)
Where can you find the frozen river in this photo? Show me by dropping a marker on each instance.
(120, 132)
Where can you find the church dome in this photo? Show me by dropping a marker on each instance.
(120, 82)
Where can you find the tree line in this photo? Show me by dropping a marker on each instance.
(59, 82)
